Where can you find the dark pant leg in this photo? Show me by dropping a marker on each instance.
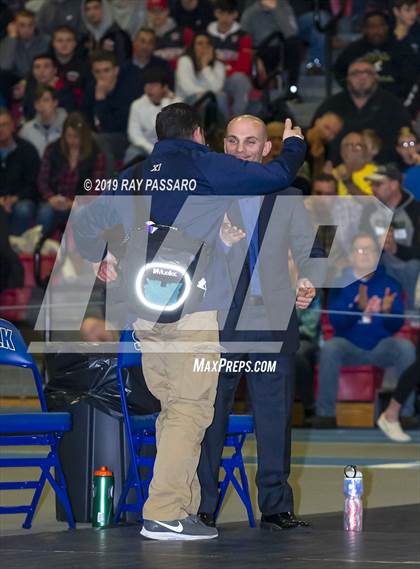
(305, 359)
(11, 270)
(213, 443)
(292, 59)
(272, 398)
(407, 382)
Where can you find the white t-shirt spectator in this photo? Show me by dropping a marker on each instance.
(142, 119)
(189, 83)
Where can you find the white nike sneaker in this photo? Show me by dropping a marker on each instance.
(189, 529)
(392, 429)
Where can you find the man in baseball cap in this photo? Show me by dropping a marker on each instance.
(171, 39)
(389, 171)
(157, 5)
(402, 242)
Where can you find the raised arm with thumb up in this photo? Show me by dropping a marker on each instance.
(290, 130)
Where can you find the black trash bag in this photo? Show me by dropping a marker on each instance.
(93, 378)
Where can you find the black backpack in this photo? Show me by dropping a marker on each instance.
(163, 269)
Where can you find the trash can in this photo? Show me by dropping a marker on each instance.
(86, 386)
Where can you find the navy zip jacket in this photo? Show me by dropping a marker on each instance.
(353, 327)
(191, 188)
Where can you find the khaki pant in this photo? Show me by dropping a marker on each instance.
(187, 400)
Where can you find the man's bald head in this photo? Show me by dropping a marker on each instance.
(245, 121)
(246, 138)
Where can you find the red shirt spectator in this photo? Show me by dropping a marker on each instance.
(233, 45)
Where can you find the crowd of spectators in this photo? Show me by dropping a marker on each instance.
(81, 83)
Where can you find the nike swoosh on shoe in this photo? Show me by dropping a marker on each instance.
(178, 529)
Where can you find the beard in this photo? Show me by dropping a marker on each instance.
(362, 93)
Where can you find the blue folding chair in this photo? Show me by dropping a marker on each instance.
(31, 429)
(239, 426)
(141, 431)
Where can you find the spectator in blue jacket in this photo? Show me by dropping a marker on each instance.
(365, 334)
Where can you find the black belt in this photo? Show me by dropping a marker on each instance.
(255, 300)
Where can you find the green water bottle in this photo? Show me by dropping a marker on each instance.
(103, 496)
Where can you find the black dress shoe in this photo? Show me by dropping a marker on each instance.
(207, 519)
(318, 422)
(284, 520)
(409, 423)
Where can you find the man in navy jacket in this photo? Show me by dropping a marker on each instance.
(181, 166)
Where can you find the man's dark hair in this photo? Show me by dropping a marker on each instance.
(324, 177)
(64, 28)
(145, 30)
(24, 13)
(373, 14)
(46, 55)
(102, 55)
(42, 89)
(155, 75)
(178, 120)
(401, 3)
(229, 6)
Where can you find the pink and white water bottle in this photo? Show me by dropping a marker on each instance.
(353, 505)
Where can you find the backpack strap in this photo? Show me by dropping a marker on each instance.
(138, 213)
